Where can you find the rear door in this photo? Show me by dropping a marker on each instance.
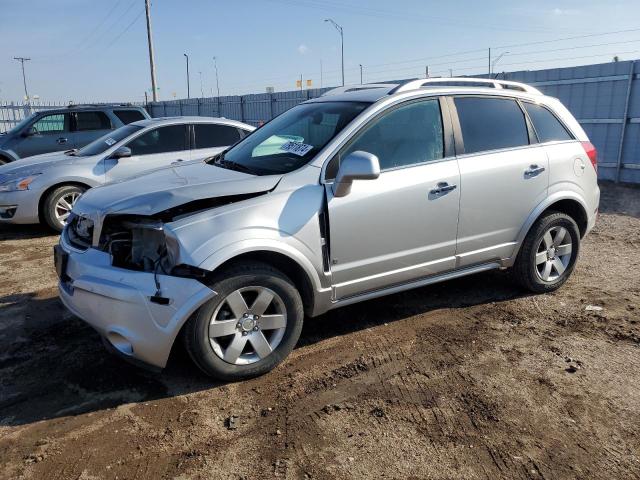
(210, 138)
(504, 175)
(89, 125)
(401, 226)
(49, 133)
(152, 149)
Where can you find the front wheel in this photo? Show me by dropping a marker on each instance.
(249, 327)
(548, 254)
(58, 205)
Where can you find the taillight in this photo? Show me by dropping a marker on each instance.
(592, 153)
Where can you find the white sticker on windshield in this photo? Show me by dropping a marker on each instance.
(110, 141)
(297, 148)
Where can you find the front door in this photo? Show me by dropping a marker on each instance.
(153, 149)
(402, 226)
(49, 133)
(505, 175)
(210, 139)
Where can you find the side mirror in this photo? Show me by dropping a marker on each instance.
(357, 165)
(29, 132)
(121, 152)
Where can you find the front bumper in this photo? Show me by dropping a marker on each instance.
(116, 302)
(19, 207)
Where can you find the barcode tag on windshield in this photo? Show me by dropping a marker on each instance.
(110, 141)
(297, 148)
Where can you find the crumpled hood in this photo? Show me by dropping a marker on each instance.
(169, 187)
(35, 164)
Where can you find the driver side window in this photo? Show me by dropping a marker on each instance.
(171, 138)
(51, 124)
(407, 135)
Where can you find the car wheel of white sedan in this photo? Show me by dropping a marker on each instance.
(249, 327)
(58, 205)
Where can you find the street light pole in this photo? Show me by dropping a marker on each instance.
(188, 92)
(339, 28)
(496, 61)
(24, 78)
(201, 87)
(360, 74)
(152, 62)
(215, 64)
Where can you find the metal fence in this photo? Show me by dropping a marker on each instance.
(605, 98)
(12, 113)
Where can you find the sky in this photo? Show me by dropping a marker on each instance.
(96, 50)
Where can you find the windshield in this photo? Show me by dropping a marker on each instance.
(292, 139)
(107, 141)
(21, 124)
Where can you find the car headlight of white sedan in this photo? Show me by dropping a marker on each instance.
(8, 184)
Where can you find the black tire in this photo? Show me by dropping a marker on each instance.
(243, 275)
(49, 205)
(525, 269)
(4, 160)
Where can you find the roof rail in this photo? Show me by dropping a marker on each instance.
(95, 105)
(465, 82)
(356, 88)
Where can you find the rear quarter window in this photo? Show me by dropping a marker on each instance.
(547, 126)
(491, 123)
(129, 116)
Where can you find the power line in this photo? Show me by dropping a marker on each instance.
(137, 17)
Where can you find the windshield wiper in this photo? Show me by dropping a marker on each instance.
(73, 152)
(230, 165)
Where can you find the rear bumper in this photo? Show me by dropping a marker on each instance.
(116, 302)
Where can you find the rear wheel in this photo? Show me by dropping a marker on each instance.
(58, 204)
(249, 327)
(548, 254)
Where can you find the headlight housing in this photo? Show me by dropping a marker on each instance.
(17, 184)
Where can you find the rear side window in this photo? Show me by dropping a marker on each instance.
(129, 116)
(161, 140)
(491, 123)
(408, 135)
(208, 136)
(92, 121)
(547, 126)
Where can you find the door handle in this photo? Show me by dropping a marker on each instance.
(442, 188)
(61, 141)
(533, 171)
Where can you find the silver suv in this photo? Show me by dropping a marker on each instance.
(362, 192)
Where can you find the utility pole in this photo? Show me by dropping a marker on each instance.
(188, 92)
(320, 73)
(24, 78)
(152, 63)
(489, 62)
(451, 72)
(426, 71)
(215, 64)
(360, 74)
(339, 28)
(301, 86)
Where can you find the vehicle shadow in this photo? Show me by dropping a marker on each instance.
(23, 232)
(53, 365)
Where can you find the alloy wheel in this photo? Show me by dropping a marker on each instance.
(553, 253)
(248, 325)
(64, 205)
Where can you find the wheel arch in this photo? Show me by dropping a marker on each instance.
(564, 202)
(45, 194)
(299, 271)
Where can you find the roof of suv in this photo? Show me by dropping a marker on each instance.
(373, 92)
(82, 107)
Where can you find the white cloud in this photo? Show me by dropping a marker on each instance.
(558, 11)
(303, 49)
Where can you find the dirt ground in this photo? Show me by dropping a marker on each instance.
(467, 379)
